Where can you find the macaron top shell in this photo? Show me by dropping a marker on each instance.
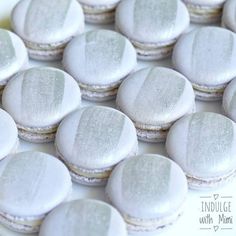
(203, 144)
(152, 21)
(84, 217)
(205, 2)
(99, 57)
(96, 137)
(229, 13)
(229, 100)
(8, 134)
(47, 22)
(32, 183)
(100, 2)
(147, 187)
(155, 96)
(13, 54)
(194, 52)
(41, 97)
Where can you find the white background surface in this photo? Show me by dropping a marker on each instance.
(188, 224)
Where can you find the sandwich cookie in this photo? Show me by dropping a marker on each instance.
(99, 60)
(228, 18)
(229, 100)
(204, 145)
(38, 99)
(205, 11)
(47, 26)
(99, 12)
(152, 26)
(13, 56)
(149, 190)
(154, 98)
(207, 57)
(92, 140)
(32, 184)
(8, 134)
(85, 217)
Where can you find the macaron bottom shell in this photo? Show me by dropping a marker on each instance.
(204, 14)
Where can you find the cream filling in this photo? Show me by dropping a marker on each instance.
(214, 89)
(34, 130)
(204, 10)
(98, 9)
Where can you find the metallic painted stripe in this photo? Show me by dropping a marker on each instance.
(212, 47)
(45, 16)
(94, 219)
(165, 92)
(27, 183)
(104, 50)
(154, 16)
(145, 180)
(209, 139)
(7, 50)
(98, 135)
(42, 93)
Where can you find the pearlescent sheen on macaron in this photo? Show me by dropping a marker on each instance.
(154, 98)
(38, 99)
(8, 134)
(13, 56)
(229, 13)
(149, 191)
(99, 60)
(92, 140)
(152, 26)
(207, 57)
(204, 145)
(32, 184)
(205, 11)
(47, 26)
(84, 217)
(99, 12)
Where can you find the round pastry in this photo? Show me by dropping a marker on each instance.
(38, 99)
(46, 26)
(228, 18)
(92, 140)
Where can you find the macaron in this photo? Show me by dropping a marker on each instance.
(13, 56)
(32, 184)
(8, 134)
(207, 57)
(229, 100)
(99, 12)
(205, 11)
(92, 140)
(152, 26)
(85, 217)
(149, 191)
(99, 60)
(38, 99)
(228, 18)
(47, 26)
(204, 145)
(154, 98)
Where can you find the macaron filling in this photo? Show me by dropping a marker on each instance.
(22, 224)
(98, 9)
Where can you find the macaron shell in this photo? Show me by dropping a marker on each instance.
(151, 21)
(46, 22)
(96, 137)
(203, 144)
(13, 54)
(9, 134)
(229, 12)
(42, 183)
(155, 96)
(99, 3)
(99, 58)
(147, 187)
(205, 2)
(229, 100)
(84, 217)
(193, 53)
(41, 97)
